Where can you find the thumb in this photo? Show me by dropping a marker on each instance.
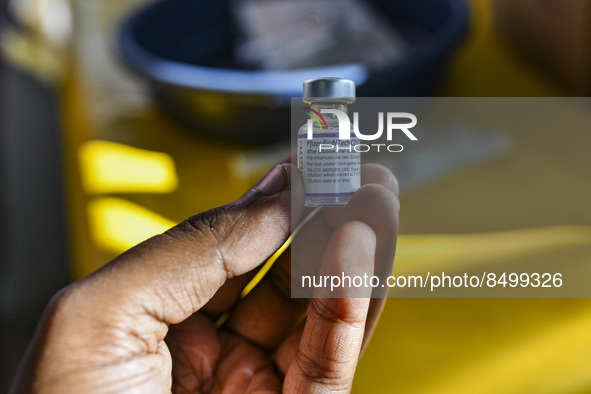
(174, 274)
(94, 330)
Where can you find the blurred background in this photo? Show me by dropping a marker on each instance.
(120, 118)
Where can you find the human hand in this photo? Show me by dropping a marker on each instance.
(146, 321)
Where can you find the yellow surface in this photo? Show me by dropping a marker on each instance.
(108, 167)
(493, 345)
(117, 225)
(196, 173)
(457, 252)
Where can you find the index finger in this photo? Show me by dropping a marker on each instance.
(268, 313)
(331, 342)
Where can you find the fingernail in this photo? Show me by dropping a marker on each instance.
(274, 182)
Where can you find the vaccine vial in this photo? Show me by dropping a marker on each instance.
(330, 164)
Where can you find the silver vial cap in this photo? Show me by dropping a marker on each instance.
(333, 89)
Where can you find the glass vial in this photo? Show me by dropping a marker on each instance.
(330, 165)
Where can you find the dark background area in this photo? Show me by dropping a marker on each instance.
(33, 253)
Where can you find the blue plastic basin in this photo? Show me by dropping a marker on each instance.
(184, 50)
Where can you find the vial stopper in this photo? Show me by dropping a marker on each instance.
(334, 89)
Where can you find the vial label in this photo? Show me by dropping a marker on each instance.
(331, 167)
